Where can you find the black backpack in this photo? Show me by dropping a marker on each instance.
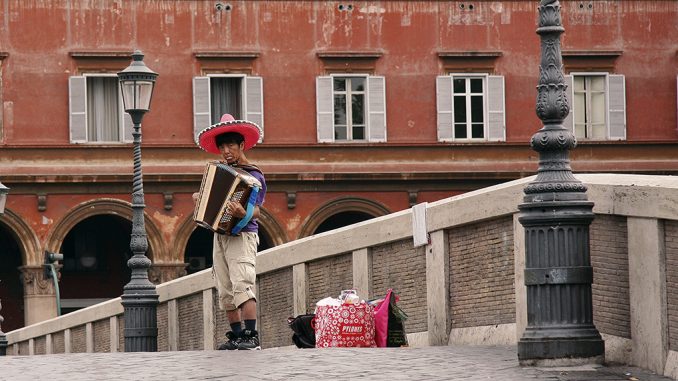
(304, 330)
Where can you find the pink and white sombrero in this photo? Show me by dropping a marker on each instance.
(207, 138)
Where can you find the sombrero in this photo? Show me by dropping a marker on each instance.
(207, 138)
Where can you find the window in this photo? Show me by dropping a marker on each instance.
(351, 108)
(96, 110)
(238, 95)
(470, 107)
(597, 106)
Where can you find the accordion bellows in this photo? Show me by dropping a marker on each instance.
(222, 183)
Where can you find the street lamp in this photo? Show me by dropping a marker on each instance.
(556, 215)
(139, 297)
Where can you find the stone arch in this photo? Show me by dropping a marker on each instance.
(104, 206)
(338, 205)
(28, 241)
(275, 231)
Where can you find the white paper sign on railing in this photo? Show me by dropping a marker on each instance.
(419, 233)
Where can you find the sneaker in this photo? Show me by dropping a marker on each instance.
(249, 340)
(232, 343)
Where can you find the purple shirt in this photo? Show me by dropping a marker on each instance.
(253, 226)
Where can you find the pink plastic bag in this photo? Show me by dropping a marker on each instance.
(389, 334)
(381, 320)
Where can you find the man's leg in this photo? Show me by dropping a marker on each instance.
(249, 314)
(225, 290)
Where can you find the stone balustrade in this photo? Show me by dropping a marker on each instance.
(465, 286)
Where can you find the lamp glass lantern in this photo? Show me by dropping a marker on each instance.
(3, 197)
(136, 84)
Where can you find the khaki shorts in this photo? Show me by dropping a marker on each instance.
(234, 258)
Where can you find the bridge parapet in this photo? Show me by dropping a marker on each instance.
(466, 286)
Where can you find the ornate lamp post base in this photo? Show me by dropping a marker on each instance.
(556, 215)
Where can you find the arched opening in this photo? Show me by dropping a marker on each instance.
(340, 220)
(11, 289)
(341, 212)
(95, 269)
(198, 253)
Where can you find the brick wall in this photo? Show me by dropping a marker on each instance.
(190, 322)
(58, 342)
(161, 313)
(23, 348)
(610, 262)
(327, 277)
(40, 345)
(671, 242)
(402, 267)
(482, 274)
(102, 335)
(275, 306)
(78, 344)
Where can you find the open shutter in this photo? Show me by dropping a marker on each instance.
(254, 102)
(324, 109)
(568, 122)
(617, 107)
(496, 120)
(77, 94)
(376, 106)
(201, 105)
(444, 107)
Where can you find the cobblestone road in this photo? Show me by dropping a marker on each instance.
(430, 363)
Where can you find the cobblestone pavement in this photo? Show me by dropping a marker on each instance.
(430, 363)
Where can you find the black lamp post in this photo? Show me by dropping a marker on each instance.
(139, 297)
(556, 215)
(3, 338)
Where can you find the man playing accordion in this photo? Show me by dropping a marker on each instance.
(234, 253)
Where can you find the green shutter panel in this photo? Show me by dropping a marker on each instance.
(77, 103)
(201, 105)
(444, 107)
(376, 106)
(324, 109)
(254, 102)
(496, 119)
(617, 107)
(568, 122)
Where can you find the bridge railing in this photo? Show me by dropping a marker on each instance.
(465, 286)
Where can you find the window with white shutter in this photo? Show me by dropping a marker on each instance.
(470, 107)
(219, 94)
(351, 108)
(597, 106)
(96, 110)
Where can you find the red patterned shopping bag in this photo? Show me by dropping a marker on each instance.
(348, 325)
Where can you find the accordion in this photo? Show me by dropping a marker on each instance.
(222, 183)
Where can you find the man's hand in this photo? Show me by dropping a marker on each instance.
(195, 197)
(235, 209)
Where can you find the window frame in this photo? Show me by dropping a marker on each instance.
(485, 94)
(122, 114)
(349, 106)
(242, 95)
(588, 124)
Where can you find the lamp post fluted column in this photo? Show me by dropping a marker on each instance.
(556, 215)
(139, 297)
